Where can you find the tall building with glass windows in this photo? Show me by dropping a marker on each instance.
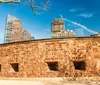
(13, 30)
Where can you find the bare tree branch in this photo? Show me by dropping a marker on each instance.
(33, 6)
(45, 4)
(37, 9)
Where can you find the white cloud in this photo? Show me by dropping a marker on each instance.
(86, 15)
(77, 9)
(73, 10)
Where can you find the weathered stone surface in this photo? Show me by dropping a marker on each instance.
(32, 57)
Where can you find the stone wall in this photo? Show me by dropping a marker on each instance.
(70, 57)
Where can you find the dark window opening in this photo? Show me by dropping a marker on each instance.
(0, 67)
(15, 67)
(79, 65)
(53, 66)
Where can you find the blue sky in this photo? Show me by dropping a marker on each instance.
(85, 12)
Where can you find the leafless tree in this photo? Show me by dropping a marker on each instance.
(37, 6)
(44, 5)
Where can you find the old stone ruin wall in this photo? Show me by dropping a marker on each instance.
(70, 57)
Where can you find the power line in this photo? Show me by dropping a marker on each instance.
(78, 24)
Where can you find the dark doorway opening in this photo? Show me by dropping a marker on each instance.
(53, 66)
(15, 67)
(79, 65)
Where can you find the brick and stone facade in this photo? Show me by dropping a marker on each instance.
(77, 56)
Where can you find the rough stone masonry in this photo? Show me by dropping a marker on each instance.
(70, 57)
